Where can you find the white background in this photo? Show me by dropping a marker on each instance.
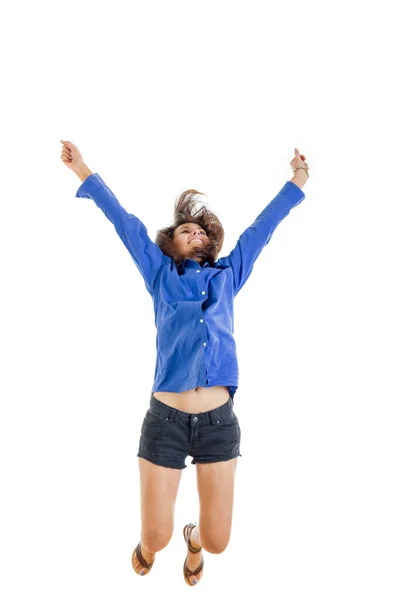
(161, 97)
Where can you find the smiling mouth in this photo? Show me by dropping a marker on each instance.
(195, 241)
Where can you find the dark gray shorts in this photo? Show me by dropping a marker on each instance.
(168, 435)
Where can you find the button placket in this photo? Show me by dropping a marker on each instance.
(203, 293)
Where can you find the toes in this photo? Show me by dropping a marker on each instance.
(141, 570)
(195, 578)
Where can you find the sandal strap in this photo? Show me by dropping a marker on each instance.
(197, 571)
(141, 559)
(188, 530)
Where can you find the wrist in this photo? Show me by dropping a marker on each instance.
(83, 172)
(300, 177)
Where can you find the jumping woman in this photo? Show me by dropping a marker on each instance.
(196, 374)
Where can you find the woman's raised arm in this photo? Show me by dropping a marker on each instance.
(147, 256)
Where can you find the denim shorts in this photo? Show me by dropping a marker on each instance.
(169, 436)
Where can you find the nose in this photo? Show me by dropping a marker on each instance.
(196, 235)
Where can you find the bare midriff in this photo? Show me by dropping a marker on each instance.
(200, 399)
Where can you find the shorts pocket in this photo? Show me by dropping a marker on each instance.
(228, 422)
(151, 434)
(152, 418)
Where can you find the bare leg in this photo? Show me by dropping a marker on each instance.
(215, 484)
(158, 492)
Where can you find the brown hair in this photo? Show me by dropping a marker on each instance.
(184, 213)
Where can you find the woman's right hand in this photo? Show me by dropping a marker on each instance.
(71, 156)
(298, 161)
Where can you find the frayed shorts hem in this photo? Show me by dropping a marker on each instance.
(161, 463)
(214, 460)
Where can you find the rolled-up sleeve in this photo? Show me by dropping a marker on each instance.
(257, 236)
(147, 256)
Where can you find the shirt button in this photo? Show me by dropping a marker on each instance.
(201, 320)
(204, 344)
(203, 293)
(198, 271)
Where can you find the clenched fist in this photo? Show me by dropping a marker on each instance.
(71, 156)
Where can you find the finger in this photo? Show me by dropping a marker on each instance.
(68, 145)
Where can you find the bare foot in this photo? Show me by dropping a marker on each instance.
(148, 557)
(194, 560)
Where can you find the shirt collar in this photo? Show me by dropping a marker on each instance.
(189, 263)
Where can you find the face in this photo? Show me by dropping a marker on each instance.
(188, 237)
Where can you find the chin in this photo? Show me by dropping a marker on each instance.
(193, 249)
(200, 252)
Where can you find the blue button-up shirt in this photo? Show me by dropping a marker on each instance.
(193, 304)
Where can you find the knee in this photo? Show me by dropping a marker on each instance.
(155, 540)
(214, 545)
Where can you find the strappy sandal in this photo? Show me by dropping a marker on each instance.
(187, 530)
(140, 558)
